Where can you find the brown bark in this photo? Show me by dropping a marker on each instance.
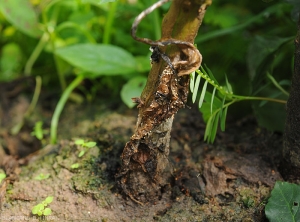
(145, 167)
(291, 147)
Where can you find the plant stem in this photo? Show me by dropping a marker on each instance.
(109, 22)
(277, 84)
(259, 98)
(16, 129)
(60, 105)
(50, 29)
(35, 54)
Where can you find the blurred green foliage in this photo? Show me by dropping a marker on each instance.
(60, 40)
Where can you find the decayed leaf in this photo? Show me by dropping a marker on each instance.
(216, 178)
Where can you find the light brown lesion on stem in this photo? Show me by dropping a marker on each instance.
(144, 169)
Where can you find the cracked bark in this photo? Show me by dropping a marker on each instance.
(145, 169)
(290, 166)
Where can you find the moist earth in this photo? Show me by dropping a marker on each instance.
(229, 180)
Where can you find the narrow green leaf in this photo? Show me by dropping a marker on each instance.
(228, 85)
(285, 82)
(192, 81)
(212, 99)
(206, 106)
(214, 128)
(221, 107)
(196, 88)
(202, 94)
(82, 152)
(98, 59)
(223, 119)
(22, 15)
(208, 128)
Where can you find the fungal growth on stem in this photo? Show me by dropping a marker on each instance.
(145, 167)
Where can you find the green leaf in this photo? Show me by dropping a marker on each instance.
(202, 94)
(266, 46)
(90, 144)
(47, 211)
(82, 152)
(284, 203)
(223, 119)
(210, 103)
(22, 15)
(212, 99)
(266, 117)
(208, 128)
(213, 132)
(79, 142)
(75, 165)
(228, 85)
(285, 82)
(196, 88)
(133, 88)
(2, 176)
(221, 108)
(98, 59)
(192, 81)
(223, 17)
(42, 176)
(37, 209)
(10, 62)
(38, 130)
(49, 199)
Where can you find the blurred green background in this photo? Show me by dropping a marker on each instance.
(60, 40)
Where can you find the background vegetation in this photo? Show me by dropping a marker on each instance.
(86, 44)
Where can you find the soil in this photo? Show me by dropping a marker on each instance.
(229, 180)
